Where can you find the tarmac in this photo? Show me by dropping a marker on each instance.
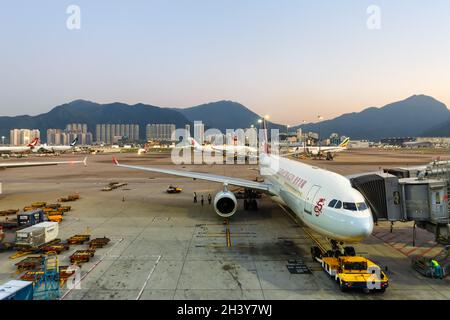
(164, 246)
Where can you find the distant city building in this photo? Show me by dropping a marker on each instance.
(299, 134)
(418, 144)
(396, 141)
(358, 144)
(77, 127)
(112, 133)
(21, 137)
(188, 129)
(443, 142)
(334, 139)
(199, 132)
(65, 137)
(160, 132)
(55, 137)
(313, 135)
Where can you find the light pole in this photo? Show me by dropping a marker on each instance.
(320, 118)
(260, 122)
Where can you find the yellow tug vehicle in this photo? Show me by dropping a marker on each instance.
(352, 272)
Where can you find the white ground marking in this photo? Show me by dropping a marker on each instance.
(148, 278)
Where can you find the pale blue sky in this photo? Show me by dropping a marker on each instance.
(290, 59)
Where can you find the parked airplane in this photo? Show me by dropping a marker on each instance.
(20, 149)
(315, 150)
(325, 201)
(235, 149)
(55, 149)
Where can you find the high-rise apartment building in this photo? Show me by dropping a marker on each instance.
(160, 132)
(21, 137)
(199, 132)
(112, 133)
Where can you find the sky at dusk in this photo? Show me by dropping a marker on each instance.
(292, 59)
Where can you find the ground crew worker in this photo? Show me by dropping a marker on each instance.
(437, 269)
(195, 197)
(202, 201)
(209, 198)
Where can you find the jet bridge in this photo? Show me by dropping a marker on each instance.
(410, 194)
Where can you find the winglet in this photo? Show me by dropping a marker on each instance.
(115, 161)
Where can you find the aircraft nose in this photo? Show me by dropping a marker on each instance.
(365, 228)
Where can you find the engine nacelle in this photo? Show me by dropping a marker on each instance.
(225, 203)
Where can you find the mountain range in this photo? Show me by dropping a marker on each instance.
(418, 115)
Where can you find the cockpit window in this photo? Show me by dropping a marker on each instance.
(361, 206)
(338, 205)
(350, 206)
(332, 203)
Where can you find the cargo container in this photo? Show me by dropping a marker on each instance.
(30, 218)
(37, 235)
(16, 290)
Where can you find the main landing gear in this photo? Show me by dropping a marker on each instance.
(250, 202)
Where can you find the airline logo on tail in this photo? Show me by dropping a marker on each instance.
(33, 143)
(344, 144)
(195, 144)
(74, 142)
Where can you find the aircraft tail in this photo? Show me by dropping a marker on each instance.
(74, 142)
(33, 143)
(344, 144)
(195, 144)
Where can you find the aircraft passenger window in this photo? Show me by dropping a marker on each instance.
(332, 203)
(338, 205)
(350, 206)
(361, 206)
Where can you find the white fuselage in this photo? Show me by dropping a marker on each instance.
(308, 191)
(53, 148)
(15, 149)
(235, 149)
(228, 148)
(315, 150)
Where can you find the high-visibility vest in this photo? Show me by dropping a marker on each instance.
(434, 263)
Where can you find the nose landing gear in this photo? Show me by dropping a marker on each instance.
(337, 250)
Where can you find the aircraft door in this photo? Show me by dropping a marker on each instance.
(438, 204)
(309, 201)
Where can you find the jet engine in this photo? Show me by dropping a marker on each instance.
(225, 203)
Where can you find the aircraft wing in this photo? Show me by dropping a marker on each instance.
(204, 176)
(7, 165)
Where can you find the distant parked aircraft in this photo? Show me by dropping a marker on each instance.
(20, 149)
(56, 149)
(315, 150)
